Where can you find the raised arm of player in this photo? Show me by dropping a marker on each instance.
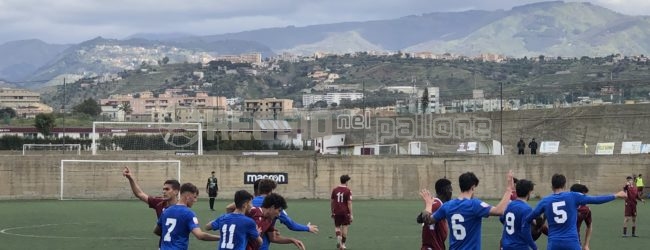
(137, 191)
(588, 199)
(204, 236)
(539, 209)
(278, 239)
(426, 214)
(499, 208)
(293, 226)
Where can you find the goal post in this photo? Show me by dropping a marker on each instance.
(51, 147)
(103, 179)
(149, 136)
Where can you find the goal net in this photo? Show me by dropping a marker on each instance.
(39, 149)
(103, 179)
(153, 137)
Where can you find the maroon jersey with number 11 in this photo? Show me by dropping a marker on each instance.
(340, 197)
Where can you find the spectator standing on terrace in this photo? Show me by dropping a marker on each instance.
(521, 146)
(533, 147)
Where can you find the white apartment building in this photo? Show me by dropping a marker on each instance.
(309, 99)
(434, 99)
(483, 105)
(330, 98)
(402, 89)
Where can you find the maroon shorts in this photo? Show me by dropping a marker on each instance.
(341, 220)
(630, 210)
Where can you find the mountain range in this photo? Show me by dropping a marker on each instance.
(547, 28)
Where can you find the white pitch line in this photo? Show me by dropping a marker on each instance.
(6, 231)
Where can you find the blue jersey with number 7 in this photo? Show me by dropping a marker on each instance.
(464, 217)
(176, 223)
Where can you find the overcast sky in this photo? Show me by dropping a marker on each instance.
(73, 21)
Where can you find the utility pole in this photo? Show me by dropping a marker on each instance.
(217, 125)
(363, 136)
(501, 116)
(63, 110)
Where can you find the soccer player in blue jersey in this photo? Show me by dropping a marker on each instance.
(236, 228)
(266, 186)
(178, 221)
(516, 235)
(561, 211)
(465, 214)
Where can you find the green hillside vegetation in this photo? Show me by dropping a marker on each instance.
(543, 79)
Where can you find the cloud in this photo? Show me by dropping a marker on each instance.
(72, 21)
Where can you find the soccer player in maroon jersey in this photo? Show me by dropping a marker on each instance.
(584, 214)
(171, 189)
(435, 234)
(630, 205)
(264, 217)
(342, 211)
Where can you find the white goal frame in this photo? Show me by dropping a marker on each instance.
(199, 131)
(65, 146)
(62, 166)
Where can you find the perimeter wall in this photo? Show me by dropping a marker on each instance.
(396, 177)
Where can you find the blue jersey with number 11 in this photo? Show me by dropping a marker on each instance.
(464, 217)
(236, 231)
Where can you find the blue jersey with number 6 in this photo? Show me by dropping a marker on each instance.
(176, 223)
(561, 211)
(236, 231)
(464, 217)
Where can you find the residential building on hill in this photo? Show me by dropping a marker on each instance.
(268, 107)
(146, 103)
(27, 104)
(252, 58)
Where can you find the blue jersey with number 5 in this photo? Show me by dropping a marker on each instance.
(176, 223)
(236, 231)
(561, 211)
(464, 217)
